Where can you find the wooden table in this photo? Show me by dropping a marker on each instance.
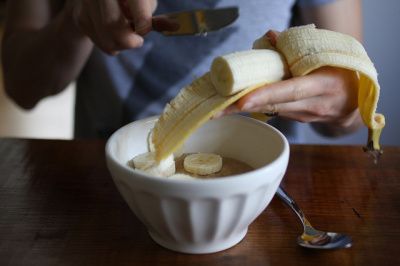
(59, 206)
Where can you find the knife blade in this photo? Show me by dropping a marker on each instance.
(195, 22)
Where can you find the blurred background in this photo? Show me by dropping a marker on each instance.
(53, 117)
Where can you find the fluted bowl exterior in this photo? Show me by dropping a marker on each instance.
(207, 215)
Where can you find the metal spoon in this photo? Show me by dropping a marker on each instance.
(312, 238)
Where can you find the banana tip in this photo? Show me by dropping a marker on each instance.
(374, 153)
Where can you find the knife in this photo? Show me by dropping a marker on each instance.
(195, 22)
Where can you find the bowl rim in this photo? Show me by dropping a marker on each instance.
(143, 175)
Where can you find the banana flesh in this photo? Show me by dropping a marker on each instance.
(150, 146)
(229, 76)
(303, 49)
(202, 163)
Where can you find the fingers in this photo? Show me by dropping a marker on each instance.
(118, 34)
(325, 95)
(108, 11)
(105, 24)
(272, 36)
(123, 4)
(231, 109)
(141, 12)
(290, 90)
(114, 32)
(307, 110)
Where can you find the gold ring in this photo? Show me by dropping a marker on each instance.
(272, 114)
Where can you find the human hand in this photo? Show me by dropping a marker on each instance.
(328, 96)
(109, 23)
(157, 23)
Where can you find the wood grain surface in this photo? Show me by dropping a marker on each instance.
(59, 206)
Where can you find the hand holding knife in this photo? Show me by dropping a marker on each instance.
(194, 22)
(190, 22)
(108, 24)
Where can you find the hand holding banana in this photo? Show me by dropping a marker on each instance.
(311, 56)
(118, 24)
(326, 95)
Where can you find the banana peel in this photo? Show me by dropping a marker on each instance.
(307, 48)
(192, 107)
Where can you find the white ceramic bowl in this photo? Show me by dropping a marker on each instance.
(201, 216)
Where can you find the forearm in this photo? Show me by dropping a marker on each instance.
(343, 16)
(39, 63)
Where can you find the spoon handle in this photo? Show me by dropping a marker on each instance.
(309, 230)
(284, 196)
(311, 237)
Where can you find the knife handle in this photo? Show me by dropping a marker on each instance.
(161, 24)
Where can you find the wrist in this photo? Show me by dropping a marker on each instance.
(342, 126)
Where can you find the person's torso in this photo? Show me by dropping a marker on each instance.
(114, 90)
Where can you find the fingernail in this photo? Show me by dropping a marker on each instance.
(271, 37)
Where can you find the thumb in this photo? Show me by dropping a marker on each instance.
(141, 12)
(272, 36)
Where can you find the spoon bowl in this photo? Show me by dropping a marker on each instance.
(329, 240)
(311, 237)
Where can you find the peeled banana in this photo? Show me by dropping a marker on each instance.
(299, 50)
(229, 76)
(202, 163)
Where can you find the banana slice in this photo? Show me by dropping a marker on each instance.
(150, 144)
(147, 162)
(202, 163)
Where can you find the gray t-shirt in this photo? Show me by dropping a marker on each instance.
(115, 90)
